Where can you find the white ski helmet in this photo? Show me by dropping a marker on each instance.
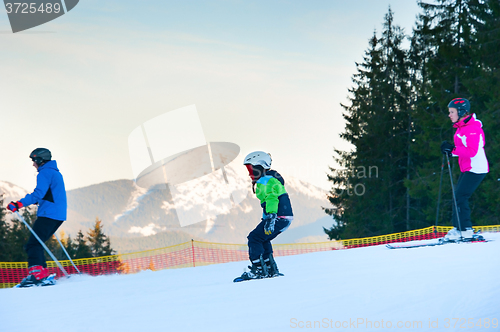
(258, 158)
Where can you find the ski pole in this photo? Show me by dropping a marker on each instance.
(454, 198)
(439, 195)
(43, 244)
(67, 255)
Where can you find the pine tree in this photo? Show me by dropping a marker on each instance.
(18, 236)
(4, 230)
(485, 88)
(15, 235)
(81, 249)
(372, 179)
(344, 179)
(99, 242)
(445, 51)
(70, 246)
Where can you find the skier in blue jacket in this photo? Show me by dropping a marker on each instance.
(50, 195)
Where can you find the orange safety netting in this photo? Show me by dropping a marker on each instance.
(197, 253)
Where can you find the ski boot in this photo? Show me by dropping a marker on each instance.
(37, 276)
(256, 272)
(467, 235)
(478, 236)
(272, 267)
(454, 235)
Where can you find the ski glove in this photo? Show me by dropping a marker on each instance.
(270, 220)
(446, 148)
(14, 206)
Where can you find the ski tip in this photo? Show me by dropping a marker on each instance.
(441, 241)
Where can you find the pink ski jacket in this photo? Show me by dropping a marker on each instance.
(469, 145)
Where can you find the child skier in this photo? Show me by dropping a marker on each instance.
(469, 148)
(269, 187)
(50, 195)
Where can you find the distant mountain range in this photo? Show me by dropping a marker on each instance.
(140, 219)
(10, 192)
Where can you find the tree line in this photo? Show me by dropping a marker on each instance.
(14, 235)
(397, 117)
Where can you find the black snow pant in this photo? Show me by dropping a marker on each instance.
(260, 244)
(44, 228)
(467, 184)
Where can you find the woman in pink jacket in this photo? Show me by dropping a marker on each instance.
(469, 148)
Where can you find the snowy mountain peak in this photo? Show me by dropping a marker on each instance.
(11, 192)
(305, 188)
(223, 199)
(138, 194)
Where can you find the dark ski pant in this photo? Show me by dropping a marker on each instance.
(260, 244)
(44, 228)
(467, 184)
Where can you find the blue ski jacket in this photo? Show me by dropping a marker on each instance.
(50, 193)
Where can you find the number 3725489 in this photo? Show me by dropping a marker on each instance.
(32, 8)
(470, 323)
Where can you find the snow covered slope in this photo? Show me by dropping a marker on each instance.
(365, 289)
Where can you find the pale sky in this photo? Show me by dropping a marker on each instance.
(265, 75)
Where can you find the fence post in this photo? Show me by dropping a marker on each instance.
(192, 247)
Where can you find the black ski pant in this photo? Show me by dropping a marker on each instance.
(260, 244)
(467, 184)
(44, 228)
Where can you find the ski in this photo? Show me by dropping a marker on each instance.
(240, 279)
(49, 281)
(269, 270)
(439, 242)
(407, 246)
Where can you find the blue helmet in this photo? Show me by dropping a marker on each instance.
(461, 104)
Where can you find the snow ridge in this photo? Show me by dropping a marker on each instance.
(137, 195)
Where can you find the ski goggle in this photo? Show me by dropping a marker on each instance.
(250, 171)
(255, 172)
